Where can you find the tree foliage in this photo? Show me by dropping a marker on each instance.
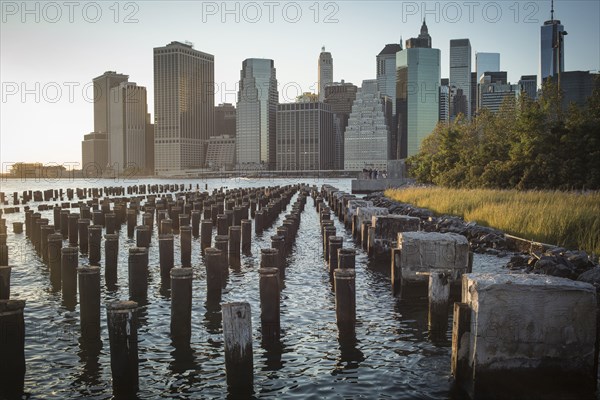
(527, 144)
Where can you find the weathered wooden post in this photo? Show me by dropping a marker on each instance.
(246, 235)
(181, 304)
(237, 335)
(45, 231)
(364, 234)
(142, 236)
(89, 301)
(83, 227)
(5, 271)
(461, 322)
(205, 233)
(166, 256)
(39, 224)
(17, 227)
(345, 297)
(196, 223)
(235, 237)
(222, 243)
(131, 221)
(110, 223)
(212, 261)
(439, 294)
(185, 236)
(69, 275)
(222, 225)
(3, 249)
(269, 295)
(95, 233)
(166, 226)
(54, 259)
(12, 348)
(346, 258)
(335, 243)
(259, 222)
(122, 334)
(56, 214)
(111, 254)
(138, 273)
(64, 223)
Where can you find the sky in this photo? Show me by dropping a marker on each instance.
(51, 51)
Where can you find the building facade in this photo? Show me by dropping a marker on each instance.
(94, 153)
(444, 106)
(224, 120)
(340, 96)
(220, 154)
(325, 72)
(460, 78)
(417, 91)
(366, 141)
(183, 106)
(127, 132)
(256, 115)
(102, 100)
(528, 85)
(486, 62)
(494, 91)
(305, 136)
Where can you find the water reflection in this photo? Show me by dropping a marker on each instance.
(271, 342)
(213, 317)
(350, 355)
(90, 347)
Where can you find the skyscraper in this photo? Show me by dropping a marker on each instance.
(127, 132)
(486, 62)
(367, 135)
(102, 86)
(417, 92)
(460, 78)
(528, 84)
(552, 52)
(386, 71)
(494, 91)
(325, 72)
(340, 96)
(224, 120)
(444, 106)
(183, 106)
(256, 115)
(305, 136)
(94, 154)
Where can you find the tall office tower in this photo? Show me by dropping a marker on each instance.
(444, 101)
(127, 132)
(149, 145)
(367, 135)
(460, 78)
(577, 87)
(417, 94)
(494, 90)
(224, 120)
(102, 86)
(256, 115)
(325, 72)
(184, 103)
(305, 136)
(486, 62)
(528, 85)
(552, 51)
(386, 84)
(473, 93)
(340, 96)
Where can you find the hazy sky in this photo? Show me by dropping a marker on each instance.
(50, 51)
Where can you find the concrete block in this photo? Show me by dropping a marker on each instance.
(366, 213)
(530, 336)
(385, 229)
(420, 252)
(353, 206)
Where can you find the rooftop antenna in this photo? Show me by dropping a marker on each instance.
(552, 10)
(323, 49)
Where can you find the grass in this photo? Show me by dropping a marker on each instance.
(567, 219)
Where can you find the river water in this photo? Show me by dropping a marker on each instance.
(392, 356)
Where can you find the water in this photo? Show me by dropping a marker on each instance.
(392, 356)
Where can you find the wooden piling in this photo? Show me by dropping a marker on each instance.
(166, 256)
(83, 225)
(54, 259)
(5, 271)
(345, 297)
(95, 245)
(246, 227)
(212, 261)
(181, 304)
(205, 233)
(439, 294)
(89, 301)
(131, 222)
(12, 348)
(138, 273)
(237, 335)
(122, 324)
(185, 237)
(335, 243)
(68, 272)
(111, 254)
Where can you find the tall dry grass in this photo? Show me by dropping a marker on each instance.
(568, 219)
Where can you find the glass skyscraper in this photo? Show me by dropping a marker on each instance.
(549, 50)
(460, 77)
(417, 92)
(486, 62)
(256, 115)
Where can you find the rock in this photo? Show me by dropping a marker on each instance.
(517, 262)
(555, 266)
(591, 276)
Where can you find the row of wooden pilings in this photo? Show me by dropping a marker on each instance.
(189, 214)
(438, 287)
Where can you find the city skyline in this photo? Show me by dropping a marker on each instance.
(64, 122)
